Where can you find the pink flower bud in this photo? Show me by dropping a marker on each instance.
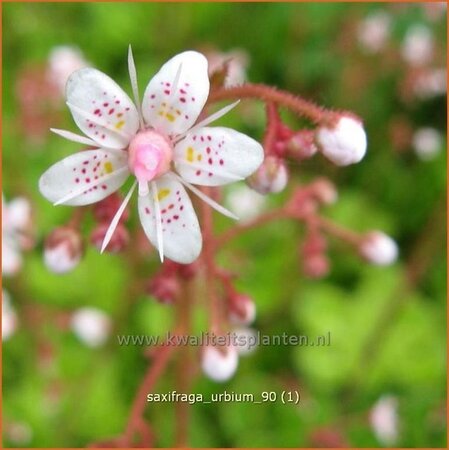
(384, 420)
(316, 266)
(219, 363)
(302, 145)
(242, 310)
(104, 210)
(324, 191)
(118, 242)
(164, 288)
(91, 325)
(63, 249)
(270, 177)
(344, 142)
(378, 248)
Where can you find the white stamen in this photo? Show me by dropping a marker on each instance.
(135, 87)
(176, 81)
(97, 121)
(214, 170)
(205, 198)
(157, 207)
(115, 220)
(74, 137)
(83, 189)
(143, 188)
(212, 118)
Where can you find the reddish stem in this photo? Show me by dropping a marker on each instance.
(270, 94)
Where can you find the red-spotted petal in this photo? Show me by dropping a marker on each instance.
(101, 109)
(181, 235)
(175, 96)
(85, 177)
(216, 156)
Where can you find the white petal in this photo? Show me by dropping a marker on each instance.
(85, 177)
(217, 156)
(181, 233)
(174, 109)
(101, 109)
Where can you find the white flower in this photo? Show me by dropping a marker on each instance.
(417, 48)
(91, 325)
(427, 143)
(62, 62)
(378, 248)
(16, 217)
(344, 143)
(151, 141)
(245, 202)
(9, 317)
(374, 31)
(384, 420)
(219, 363)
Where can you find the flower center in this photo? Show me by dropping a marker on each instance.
(150, 154)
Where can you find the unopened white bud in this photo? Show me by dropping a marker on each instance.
(63, 250)
(427, 143)
(245, 340)
(384, 420)
(378, 248)
(219, 363)
(417, 48)
(270, 177)
(91, 325)
(9, 317)
(344, 143)
(244, 202)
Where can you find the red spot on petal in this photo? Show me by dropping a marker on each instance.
(221, 162)
(97, 111)
(176, 217)
(210, 161)
(167, 91)
(77, 180)
(105, 105)
(183, 91)
(83, 171)
(87, 180)
(103, 186)
(198, 173)
(117, 102)
(182, 99)
(208, 150)
(111, 111)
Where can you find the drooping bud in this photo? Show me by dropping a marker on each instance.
(244, 202)
(245, 340)
(63, 249)
(91, 325)
(316, 266)
(270, 177)
(324, 191)
(242, 310)
(302, 145)
(427, 143)
(119, 239)
(164, 287)
(378, 248)
(344, 142)
(219, 363)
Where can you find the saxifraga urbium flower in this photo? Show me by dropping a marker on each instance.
(165, 144)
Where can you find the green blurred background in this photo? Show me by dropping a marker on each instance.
(388, 334)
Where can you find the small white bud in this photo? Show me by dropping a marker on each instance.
(384, 420)
(219, 363)
(9, 317)
(427, 143)
(344, 143)
(378, 248)
(417, 48)
(373, 32)
(245, 340)
(91, 325)
(63, 250)
(270, 177)
(244, 202)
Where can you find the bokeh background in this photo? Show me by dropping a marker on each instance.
(387, 63)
